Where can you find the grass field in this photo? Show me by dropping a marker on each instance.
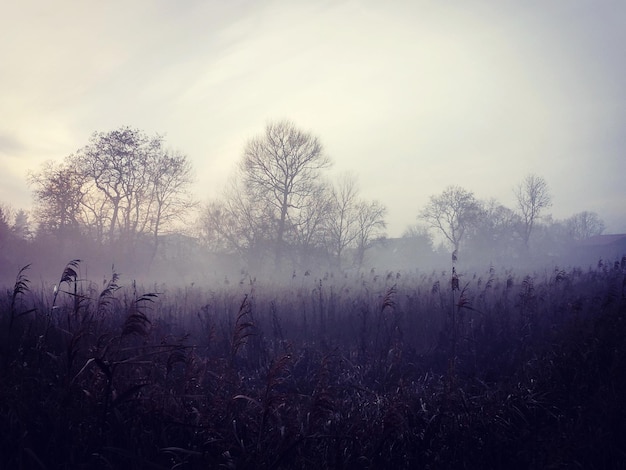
(494, 369)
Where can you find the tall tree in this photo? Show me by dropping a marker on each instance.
(117, 164)
(533, 197)
(122, 186)
(136, 185)
(282, 168)
(452, 213)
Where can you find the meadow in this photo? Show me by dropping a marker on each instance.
(463, 369)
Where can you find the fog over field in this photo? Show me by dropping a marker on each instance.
(312, 235)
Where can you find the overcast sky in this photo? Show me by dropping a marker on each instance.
(412, 96)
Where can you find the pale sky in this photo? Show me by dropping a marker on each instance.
(411, 96)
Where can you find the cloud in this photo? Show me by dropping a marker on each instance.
(415, 95)
(10, 144)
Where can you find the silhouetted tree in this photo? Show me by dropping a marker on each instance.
(370, 224)
(14, 240)
(121, 187)
(416, 247)
(351, 222)
(452, 213)
(238, 223)
(495, 233)
(282, 169)
(117, 165)
(5, 230)
(21, 225)
(418, 231)
(58, 190)
(307, 226)
(342, 221)
(5, 239)
(584, 225)
(533, 196)
(169, 199)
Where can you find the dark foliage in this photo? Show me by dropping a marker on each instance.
(447, 370)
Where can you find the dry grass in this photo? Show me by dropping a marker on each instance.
(494, 370)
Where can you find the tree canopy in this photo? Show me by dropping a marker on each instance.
(122, 186)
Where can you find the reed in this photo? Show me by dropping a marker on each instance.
(501, 369)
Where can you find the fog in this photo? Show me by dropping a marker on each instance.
(409, 98)
(184, 261)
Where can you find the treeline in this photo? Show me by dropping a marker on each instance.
(120, 196)
(114, 196)
(281, 209)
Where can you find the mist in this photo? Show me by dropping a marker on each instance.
(312, 235)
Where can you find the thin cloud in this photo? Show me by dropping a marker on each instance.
(414, 95)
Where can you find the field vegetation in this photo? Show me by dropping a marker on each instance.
(453, 368)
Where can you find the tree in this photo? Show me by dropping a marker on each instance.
(420, 231)
(281, 169)
(238, 223)
(584, 225)
(5, 231)
(370, 223)
(5, 246)
(307, 226)
(533, 196)
(415, 247)
(495, 233)
(21, 225)
(58, 190)
(452, 213)
(116, 165)
(122, 187)
(351, 222)
(134, 184)
(342, 223)
(168, 196)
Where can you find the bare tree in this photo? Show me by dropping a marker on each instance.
(281, 168)
(584, 225)
(238, 223)
(133, 185)
(418, 230)
(370, 223)
(170, 176)
(116, 163)
(533, 197)
(452, 213)
(495, 233)
(58, 190)
(308, 225)
(342, 221)
(352, 223)
(218, 228)
(121, 187)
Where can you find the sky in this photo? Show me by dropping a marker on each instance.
(410, 96)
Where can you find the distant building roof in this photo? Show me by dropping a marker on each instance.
(603, 240)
